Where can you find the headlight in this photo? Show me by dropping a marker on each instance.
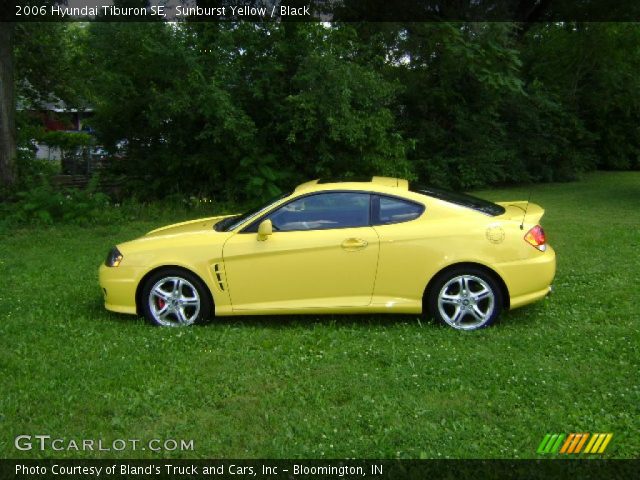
(113, 258)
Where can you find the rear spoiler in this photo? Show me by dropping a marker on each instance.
(516, 211)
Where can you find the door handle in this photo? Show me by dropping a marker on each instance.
(354, 244)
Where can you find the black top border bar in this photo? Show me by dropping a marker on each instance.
(322, 10)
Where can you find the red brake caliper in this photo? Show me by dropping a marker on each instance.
(161, 303)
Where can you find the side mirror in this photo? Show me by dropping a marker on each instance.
(264, 230)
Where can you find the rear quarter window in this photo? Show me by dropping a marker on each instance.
(387, 210)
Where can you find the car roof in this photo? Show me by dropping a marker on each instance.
(359, 183)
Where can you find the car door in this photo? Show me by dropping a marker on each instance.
(322, 253)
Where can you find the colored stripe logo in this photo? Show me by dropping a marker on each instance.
(574, 443)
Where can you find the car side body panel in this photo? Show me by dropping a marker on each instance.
(380, 268)
(302, 269)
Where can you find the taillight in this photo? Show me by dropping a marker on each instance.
(535, 237)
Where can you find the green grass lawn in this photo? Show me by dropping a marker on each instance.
(332, 386)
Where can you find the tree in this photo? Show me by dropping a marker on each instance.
(34, 64)
(7, 107)
(591, 69)
(37, 63)
(239, 109)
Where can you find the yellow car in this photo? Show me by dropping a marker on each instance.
(372, 246)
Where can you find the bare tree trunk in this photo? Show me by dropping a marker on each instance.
(7, 107)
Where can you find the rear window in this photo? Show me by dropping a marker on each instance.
(469, 201)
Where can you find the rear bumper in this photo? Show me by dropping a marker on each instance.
(530, 297)
(118, 286)
(529, 280)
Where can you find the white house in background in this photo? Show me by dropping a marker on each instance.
(56, 116)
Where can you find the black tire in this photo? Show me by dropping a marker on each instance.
(471, 308)
(174, 297)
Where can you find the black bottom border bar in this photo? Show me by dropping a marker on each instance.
(316, 469)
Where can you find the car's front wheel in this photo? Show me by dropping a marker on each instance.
(465, 299)
(173, 298)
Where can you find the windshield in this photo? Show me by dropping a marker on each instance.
(230, 223)
(462, 199)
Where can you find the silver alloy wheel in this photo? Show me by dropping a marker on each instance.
(174, 301)
(466, 302)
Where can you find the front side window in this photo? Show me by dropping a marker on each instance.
(323, 211)
(230, 223)
(395, 210)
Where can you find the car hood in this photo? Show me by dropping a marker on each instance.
(192, 226)
(167, 245)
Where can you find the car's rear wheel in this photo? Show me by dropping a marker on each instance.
(465, 298)
(174, 298)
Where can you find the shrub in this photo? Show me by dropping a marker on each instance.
(45, 205)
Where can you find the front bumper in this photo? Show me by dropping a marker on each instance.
(118, 286)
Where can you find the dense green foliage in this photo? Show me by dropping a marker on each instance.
(44, 205)
(242, 110)
(336, 386)
(38, 202)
